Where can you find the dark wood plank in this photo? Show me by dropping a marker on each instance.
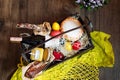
(8, 53)
(107, 20)
(40, 11)
(37, 11)
(110, 24)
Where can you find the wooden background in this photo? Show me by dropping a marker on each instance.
(105, 19)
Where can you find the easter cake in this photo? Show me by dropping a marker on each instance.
(70, 23)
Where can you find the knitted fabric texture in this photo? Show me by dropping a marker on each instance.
(102, 55)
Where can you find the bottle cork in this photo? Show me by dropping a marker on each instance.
(16, 39)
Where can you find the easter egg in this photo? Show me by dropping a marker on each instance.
(76, 45)
(54, 33)
(68, 46)
(55, 26)
(58, 55)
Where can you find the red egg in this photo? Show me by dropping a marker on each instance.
(58, 55)
(54, 33)
(76, 45)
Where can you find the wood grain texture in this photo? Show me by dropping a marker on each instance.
(105, 19)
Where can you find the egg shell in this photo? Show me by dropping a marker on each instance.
(54, 33)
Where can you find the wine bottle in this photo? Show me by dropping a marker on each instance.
(29, 42)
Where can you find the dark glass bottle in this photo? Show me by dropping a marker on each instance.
(28, 43)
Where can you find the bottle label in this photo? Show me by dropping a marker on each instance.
(37, 54)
